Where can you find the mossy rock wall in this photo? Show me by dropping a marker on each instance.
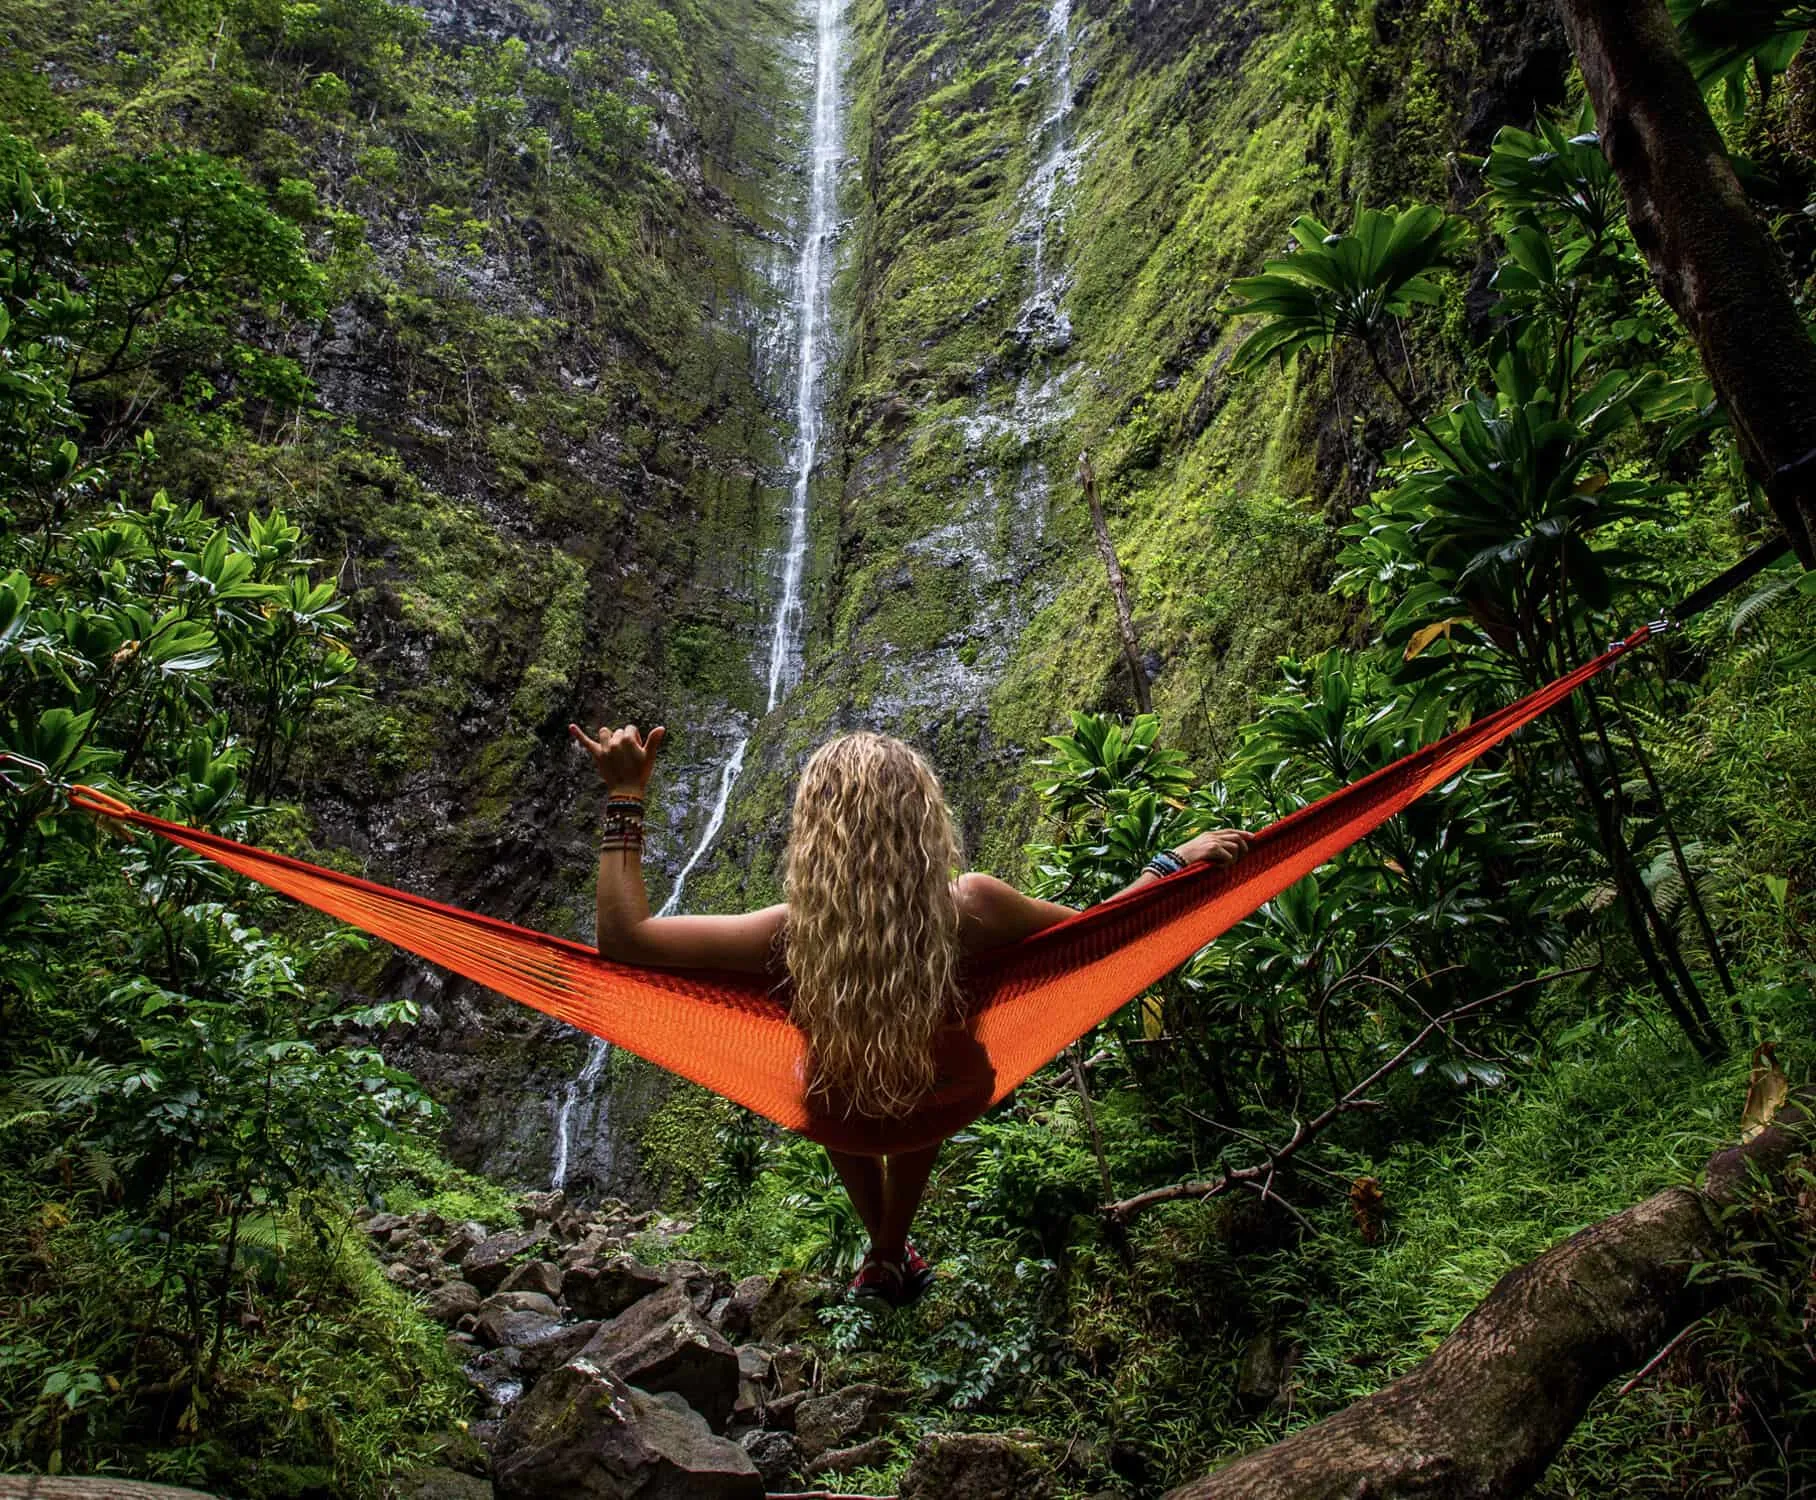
(961, 600)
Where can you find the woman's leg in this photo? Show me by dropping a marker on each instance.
(904, 1184)
(865, 1184)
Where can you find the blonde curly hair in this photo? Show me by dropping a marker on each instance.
(872, 939)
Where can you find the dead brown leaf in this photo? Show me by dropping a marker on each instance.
(1765, 1092)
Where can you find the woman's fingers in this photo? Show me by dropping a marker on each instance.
(593, 747)
(654, 742)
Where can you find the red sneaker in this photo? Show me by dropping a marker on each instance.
(877, 1281)
(917, 1275)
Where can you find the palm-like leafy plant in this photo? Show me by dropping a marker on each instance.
(1724, 39)
(1355, 286)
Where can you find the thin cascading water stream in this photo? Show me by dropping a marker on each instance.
(812, 315)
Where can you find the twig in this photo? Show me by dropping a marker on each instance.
(1658, 1359)
(1304, 1132)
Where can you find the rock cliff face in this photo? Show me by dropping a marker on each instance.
(549, 448)
(1050, 199)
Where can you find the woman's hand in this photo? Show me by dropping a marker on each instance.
(1221, 846)
(624, 758)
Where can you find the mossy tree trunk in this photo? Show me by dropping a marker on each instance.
(1713, 260)
(1488, 1410)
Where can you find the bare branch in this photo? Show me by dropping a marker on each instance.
(1304, 1132)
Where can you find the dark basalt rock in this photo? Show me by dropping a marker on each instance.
(534, 1276)
(603, 1290)
(488, 1263)
(583, 1434)
(452, 1300)
(501, 1326)
(663, 1344)
(551, 1347)
(775, 1454)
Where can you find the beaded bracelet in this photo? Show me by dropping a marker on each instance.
(621, 829)
(1165, 863)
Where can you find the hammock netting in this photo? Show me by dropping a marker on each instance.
(730, 1032)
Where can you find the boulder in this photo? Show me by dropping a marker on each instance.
(534, 1276)
(520, 1302)
(450, 1300)
(774, 1453)
(754, 1362)
(379, 1226)
(704, 1286)
(977, 1466)
(464, 1237)
(488, 1263)
(842, 1417)
(605, 1289)
(444, 1484)
(399, 1274)
(552, 1345)
(583, 1434)
(541, 1208)
(662, 1344)
(507, 1327)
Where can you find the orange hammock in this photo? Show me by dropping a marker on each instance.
(730, 1032)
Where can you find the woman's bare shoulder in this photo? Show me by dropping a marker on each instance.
(993, 912)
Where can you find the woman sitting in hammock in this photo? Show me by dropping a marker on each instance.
(876, 925)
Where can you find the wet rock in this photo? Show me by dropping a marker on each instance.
(488, 1263)
(452, 1300)
(445, 1484)
(663, 1344)
(499, 1327)
(584, 1433)
(534, 1276)
(776, 1455)
(607, 1289)
(552, 1346)
(380, 1226)
(494, 1374)
(977, 1466)
(841, 1417)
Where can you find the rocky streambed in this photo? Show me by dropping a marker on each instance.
(604, 1377)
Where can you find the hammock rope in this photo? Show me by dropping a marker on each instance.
(1029, 1001)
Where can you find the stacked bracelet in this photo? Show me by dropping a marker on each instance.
(621, 830)
(1165, 863)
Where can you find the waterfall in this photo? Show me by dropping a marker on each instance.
(812, 317)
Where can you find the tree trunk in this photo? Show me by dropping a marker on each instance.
(1486, 1413)
(1125, 619)
(1712, 258)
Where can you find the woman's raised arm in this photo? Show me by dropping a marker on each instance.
(627, 933)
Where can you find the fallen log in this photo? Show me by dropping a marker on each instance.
(1489, 1409)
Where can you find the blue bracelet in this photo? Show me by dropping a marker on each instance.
(1165, 863)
